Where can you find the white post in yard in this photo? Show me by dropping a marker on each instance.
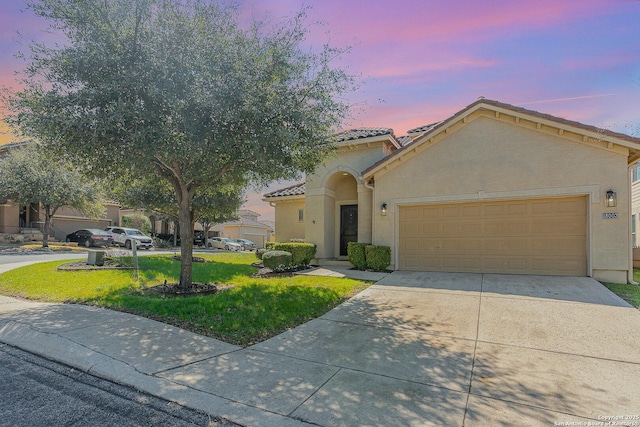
(134, 253)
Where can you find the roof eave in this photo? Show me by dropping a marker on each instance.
(369, 140)
(283, 198)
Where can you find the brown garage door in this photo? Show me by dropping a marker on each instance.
(534, 236)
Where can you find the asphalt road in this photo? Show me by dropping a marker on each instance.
(37, 392)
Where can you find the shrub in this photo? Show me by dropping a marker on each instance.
(138, 221)
(277, 260)
(356, 254)
(301, 253)
(160, 243)
(260, 252)
(378, 257)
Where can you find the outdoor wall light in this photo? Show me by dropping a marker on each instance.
(612, 200)
(383, 209)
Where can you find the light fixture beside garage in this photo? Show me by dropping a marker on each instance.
(383, 209)
(611, 200)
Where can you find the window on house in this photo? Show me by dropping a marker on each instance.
(636, 174)
(300, 215)
(633, 231)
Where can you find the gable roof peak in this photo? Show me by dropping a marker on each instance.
(425, 133)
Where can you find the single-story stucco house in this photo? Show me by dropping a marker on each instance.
(493, 189)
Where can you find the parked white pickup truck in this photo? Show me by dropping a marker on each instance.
(125, 236)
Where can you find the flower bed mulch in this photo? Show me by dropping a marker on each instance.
(265, 272)
(174, 289)
(82, 265)
(195, 258)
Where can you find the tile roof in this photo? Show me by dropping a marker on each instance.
(360, 133)
(4, 149)
(293, 190)
(404, 140)
(425, 128)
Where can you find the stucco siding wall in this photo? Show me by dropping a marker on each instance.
(287, 224)
(355, 159)
(232, 232)
(10, 218)
(491, 159)
(635, 211)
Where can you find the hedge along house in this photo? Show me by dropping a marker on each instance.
(492, 189)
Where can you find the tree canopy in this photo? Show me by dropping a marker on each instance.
(179, 90)
(28, 175)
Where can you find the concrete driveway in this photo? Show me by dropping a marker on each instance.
(455, 349)
(415, 349)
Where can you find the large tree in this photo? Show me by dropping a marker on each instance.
(179, 90)
(28, 175)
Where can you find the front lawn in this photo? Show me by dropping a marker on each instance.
(251, 311)
(629, 293)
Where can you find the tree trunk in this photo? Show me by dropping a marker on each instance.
(175, 232)
(205, 233)
(47, 225)
(186, 239)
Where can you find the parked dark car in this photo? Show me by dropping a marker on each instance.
(91, 237)
(247, 245)
(198, 238)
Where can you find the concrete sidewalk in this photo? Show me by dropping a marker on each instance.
(414, 349)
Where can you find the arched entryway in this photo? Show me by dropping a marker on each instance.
(338, 211)
(342, 187)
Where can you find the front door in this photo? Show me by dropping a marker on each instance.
(348, 226)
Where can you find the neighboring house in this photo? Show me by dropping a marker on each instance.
(28, 221)
(492, 189)
(247, 226)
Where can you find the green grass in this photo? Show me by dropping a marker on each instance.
(251, 311)
(629, 293)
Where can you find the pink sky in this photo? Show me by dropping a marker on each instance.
(422, 60)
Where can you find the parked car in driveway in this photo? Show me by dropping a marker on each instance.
(223, 243)
(246, 245)
(123, 236)
(90, 237)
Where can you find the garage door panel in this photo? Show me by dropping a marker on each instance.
(451, 211)
(414, 229)
(413, 245)
(471, 246)
(571, 206)
(430, 229)
(517, 209)
(536, 236)
(471, 211)
(489, 210)
(543, 208)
